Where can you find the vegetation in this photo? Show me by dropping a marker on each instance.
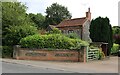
(55, 31)
(115, 48)
(73, 36)
(38, 19)
(56, 13)
(15, 25)
(15, 33)
(93, 47)
(55, 41)
(101, 54)
(6, 51)
(116, 34)
(101, 31)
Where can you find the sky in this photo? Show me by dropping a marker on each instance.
(103, 8)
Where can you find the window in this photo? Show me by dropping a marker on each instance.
(70, 31)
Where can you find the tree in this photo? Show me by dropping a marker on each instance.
(15, 25)
(101, 31)
(13, 14)
(16, 33)
(56, 13)
(116, 34)
(38, 19)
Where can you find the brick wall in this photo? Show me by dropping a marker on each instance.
(50, 55)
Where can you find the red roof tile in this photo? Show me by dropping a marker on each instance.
(72, 22)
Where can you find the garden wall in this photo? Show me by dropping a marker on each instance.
(50, 55)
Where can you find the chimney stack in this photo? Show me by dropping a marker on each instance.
(88, 14)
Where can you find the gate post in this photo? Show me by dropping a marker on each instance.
(16, 51)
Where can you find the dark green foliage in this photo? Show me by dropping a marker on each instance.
(56, 13)
(101, 31)
(15, 33)
(55, 41)
(15, 25)
(73, 36)
(13, 14)
(7, 51)
(38, 19)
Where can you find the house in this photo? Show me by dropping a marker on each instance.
(79, 26)
(50, 27)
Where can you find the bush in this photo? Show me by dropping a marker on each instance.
(55, 41)
(115, 48)
(7, 51)
(101, 54)
(55, 31)
(15, 33)
(73, 36)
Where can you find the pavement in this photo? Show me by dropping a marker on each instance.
(98, 66)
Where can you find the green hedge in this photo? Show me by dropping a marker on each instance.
(55, 41)
(7, 51)
(73, 36)
(115, 48)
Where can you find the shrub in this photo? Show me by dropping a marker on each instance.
(115, 48)
(6, 51)
(55, 41)
(101, 54)
(55, 31)
(73, 35)
(15, 33)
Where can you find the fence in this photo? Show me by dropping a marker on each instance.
(92, 54)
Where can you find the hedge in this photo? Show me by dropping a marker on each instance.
(55, 41)
(6, 51)
(115, 48)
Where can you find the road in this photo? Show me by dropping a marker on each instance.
(30, 66)
(19, 68)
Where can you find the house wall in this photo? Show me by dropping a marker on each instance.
(83, 29)
(86, 32)
(75, 29)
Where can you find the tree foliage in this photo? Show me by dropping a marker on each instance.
(38, 19)
(56, 13)
(15, 24)
(13, 14)
(101, 31)
(14, 19)
(15, 33)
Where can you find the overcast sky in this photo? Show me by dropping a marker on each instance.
(104, 8)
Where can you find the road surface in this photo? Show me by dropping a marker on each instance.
(29, 66)
(19, 68)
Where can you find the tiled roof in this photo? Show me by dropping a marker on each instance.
(50, 27)
(72, 22)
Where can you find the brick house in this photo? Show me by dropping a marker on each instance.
(79, 26)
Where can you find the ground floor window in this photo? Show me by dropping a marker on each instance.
(70, 31)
